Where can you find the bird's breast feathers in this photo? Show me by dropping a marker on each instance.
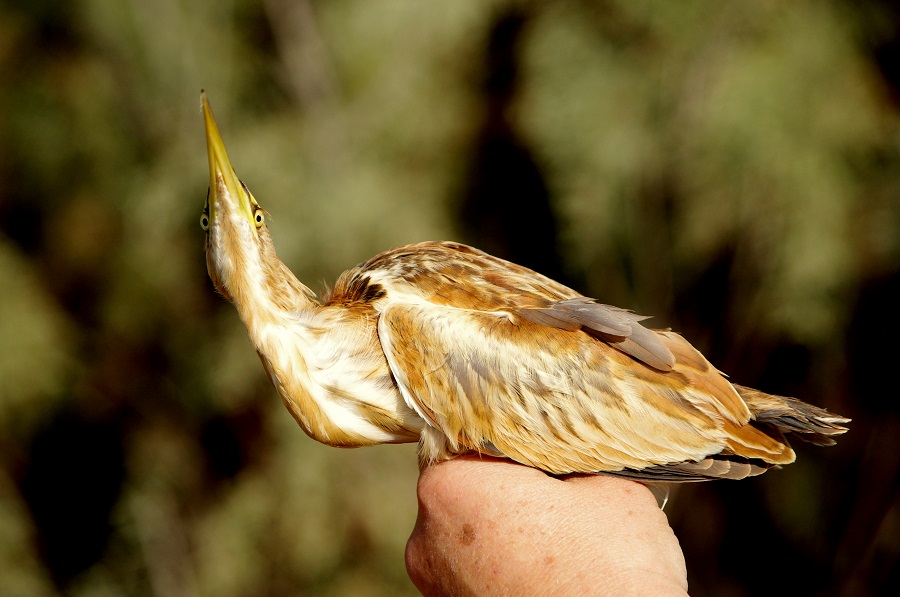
(335, 381)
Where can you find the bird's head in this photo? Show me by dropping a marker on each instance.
(240, 255)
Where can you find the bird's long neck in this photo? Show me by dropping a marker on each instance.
(256, 281)
(280, 314)
(272, 294)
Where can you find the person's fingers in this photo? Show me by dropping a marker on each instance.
(649, 544)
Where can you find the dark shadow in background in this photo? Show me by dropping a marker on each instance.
(71, 484)
(506, 209)
(868, 491)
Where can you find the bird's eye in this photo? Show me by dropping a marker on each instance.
(259, 218)
(204, 221)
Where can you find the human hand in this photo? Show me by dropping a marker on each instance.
(492, 527)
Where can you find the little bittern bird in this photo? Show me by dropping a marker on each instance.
(443, 344)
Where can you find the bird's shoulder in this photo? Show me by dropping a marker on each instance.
(447, 273)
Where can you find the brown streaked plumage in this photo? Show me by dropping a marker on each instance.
(443, 344)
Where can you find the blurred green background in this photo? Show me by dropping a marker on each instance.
(733, 168)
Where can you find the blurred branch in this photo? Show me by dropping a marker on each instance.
(306, 67)
(164, 545)
(307, 71)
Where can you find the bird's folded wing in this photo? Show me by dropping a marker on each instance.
(557, 399)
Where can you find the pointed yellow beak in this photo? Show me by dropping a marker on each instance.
(222, 178)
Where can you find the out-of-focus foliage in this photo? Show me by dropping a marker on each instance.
(753, 128)
(731, 167)
(37, 350)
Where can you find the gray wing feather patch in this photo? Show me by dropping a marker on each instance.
(645, 345)
(585, 312)
(618, 327)
(552, 318)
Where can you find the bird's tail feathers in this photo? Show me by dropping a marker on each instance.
(793, 417)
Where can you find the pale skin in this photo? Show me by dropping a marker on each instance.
(492, 527)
